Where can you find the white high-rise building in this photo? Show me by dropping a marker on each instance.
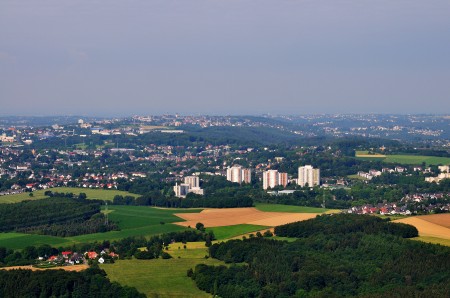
(246, 175)
(181, 190)
(193, 181)
(308, 175)
(191, 184)
(234, 174)
(283, 179)
(270, 179)
(239, 174)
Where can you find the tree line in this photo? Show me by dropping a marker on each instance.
(59, 283)
(56, 216)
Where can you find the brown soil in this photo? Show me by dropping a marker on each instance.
(236, 216)
(426, 228)
(439, 219)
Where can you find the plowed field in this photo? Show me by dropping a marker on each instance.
(236, 216)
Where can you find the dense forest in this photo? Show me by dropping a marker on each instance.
(333, 224)
(351, 262)
(95, 224)
(59, 283)
(56, 216)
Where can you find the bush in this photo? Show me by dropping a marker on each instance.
(165, 255)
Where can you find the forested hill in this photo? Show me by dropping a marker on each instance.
(50, 210)
(330, 224)
(358, 263)
(55, 216)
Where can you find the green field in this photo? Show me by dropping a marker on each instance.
(406, 159)
(288, 208)
(20, 240)
(80, 146)
(417, 159)
(99, 194)
(226, 232)
(433, 240)
(288, 239)
(357, 177)
(163, 278)
(132, 220)
(365, 154)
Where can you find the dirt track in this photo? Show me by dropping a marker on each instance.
(236, 216)
(66, 268)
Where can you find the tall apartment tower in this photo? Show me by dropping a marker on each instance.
(193, 181)
(283, 179)
(308, 175)
(270, 179)
(246, 175)
(234, 174)
(181, 190)
(238, 174)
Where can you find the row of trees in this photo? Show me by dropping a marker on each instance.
(95, 224)
(47, 211)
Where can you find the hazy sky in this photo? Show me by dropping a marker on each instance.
(127, 57)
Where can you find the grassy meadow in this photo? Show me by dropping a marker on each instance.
(14, 240)
(163, 278)
(433, 240)
(404, 158)
(99, 194)
(226, 232)
(289, 208)
(418, 159)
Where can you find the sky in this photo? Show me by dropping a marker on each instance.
(224, 57)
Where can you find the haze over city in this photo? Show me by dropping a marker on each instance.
(119, 58)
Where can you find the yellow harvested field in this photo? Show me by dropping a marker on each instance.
(439, 219)
(370, 155)
(427, 228)
(236, 216)
(76, 268)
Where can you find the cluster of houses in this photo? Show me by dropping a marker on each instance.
(444, 174)
(408, 205)
(375, 173)
(383, 209)
(422, 197)
(67, 258)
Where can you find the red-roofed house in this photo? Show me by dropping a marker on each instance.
(92, 255)
(114, 255)
(66, 254)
